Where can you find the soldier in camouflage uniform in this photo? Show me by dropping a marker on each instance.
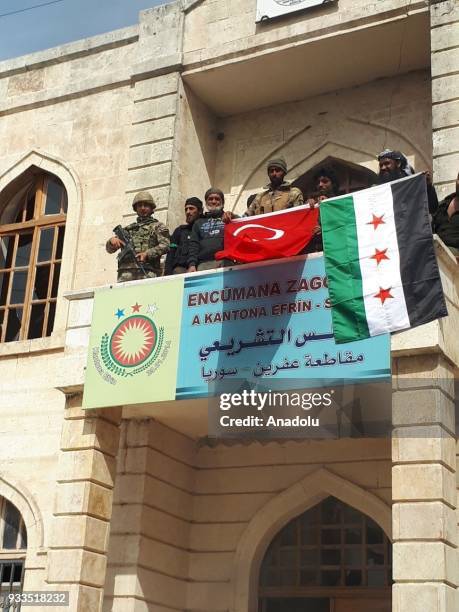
(150, 239)
(279, 194)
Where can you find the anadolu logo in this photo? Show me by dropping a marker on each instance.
(134, 343)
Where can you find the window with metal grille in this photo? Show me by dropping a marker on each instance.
(13, 536)
(32, 228)
(330, 546)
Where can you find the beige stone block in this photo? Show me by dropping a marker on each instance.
(423, 597)
(445, 88)
(165, 527)
(112, 414)
(445, 62)
(423, 444)
(144, 178)
(77, 339)
(172, 443)
(444, 12)
(434, 561)
(260, 479)
(163, 558)
(136, 432)
(445, 168)
(157, 86)
(423, 482)
(80, 531)
(83, 498)
(216, 537)
(28, 82)
(80, 312)
(76, 565)
(126, 518)
(85, 598)
(165, 497)
(228, 507)
(154, 109)
(130, 604)
(148, 154)
(424, 406)
(151, 132)
(413, 370)
(445, 114)
(217, 570)
(73, 406)
(215, 595)
(130, 489)
(424, 521)
(87, 465)
(445, 140)
(144, 583)
(444, 37)
(90, 433)
(139, 460)
(160, 195)
(124, 549)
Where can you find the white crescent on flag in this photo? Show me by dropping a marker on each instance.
(278, 233)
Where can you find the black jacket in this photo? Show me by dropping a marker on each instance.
(206, 238)
(179, 248)
(447, 227)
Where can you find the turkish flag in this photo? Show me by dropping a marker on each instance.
(270, 236)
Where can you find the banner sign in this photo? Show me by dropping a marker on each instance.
(266, 9)
(176, 337)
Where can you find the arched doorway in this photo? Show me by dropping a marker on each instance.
(351, 177)
(332, 558)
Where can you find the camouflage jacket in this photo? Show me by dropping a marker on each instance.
(272, 200)
(148, 235)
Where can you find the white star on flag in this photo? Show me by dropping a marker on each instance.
(152, 309)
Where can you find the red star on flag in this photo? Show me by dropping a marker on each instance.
(379, 255)
(136, 307)
(384, 294)
(376, 221)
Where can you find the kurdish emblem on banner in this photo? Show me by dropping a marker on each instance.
(132, 345)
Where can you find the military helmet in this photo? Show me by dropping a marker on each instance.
(143, 196)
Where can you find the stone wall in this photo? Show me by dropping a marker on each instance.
(181, 510)
(353, 124)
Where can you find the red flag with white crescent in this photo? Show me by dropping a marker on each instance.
(271, 236)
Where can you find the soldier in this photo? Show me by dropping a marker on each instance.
(279, 194)
(150, 239)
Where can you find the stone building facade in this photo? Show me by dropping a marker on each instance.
(131, 509)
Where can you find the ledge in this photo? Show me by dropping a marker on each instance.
(69, 51)
(54, 343)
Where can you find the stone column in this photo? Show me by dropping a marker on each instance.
(155, 87)
(83, 504)
(425, 556)
(444, 21)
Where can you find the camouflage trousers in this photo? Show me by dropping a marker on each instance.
(131, 274)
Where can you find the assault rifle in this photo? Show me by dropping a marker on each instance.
(128, 248)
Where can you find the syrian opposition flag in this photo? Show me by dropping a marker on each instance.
(380, 260)
(270, 236)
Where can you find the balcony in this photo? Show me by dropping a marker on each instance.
(190, 415)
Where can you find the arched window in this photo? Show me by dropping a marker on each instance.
(32, 228)
(330, 553)
(351, 177)
(13, 538)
